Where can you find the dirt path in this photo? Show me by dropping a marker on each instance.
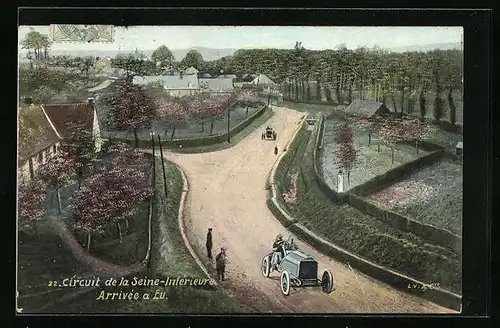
(227, 193)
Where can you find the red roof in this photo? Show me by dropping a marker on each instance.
(35, 132)
(65, 116)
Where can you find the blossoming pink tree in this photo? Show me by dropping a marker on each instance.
(346, 153)
(247, 98)
(30, 199)
(391, 132)
(173, 111)
(57, 172)
(112, 194)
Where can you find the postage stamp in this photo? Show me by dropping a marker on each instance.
(81, 33)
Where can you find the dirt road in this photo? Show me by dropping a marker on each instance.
(227, 193)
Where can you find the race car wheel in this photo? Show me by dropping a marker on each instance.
(327, 282)
(285, 283)
(266, 266)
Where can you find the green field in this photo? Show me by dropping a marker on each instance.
(370, 238)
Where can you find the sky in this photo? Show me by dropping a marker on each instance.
(237, 37)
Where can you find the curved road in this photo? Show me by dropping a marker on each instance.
(227, 193)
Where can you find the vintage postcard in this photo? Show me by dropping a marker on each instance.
(239, 169)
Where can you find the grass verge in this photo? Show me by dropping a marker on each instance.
(368, 237)
(169, 258)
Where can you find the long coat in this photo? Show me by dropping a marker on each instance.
(209, 239)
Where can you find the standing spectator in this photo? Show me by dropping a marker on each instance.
(276, 150)
(220, 263)
(209, 243)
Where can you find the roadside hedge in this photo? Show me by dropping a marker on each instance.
(427, 232)
(196, 141)
(382, 180)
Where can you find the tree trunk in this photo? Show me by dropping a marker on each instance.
(35, 228)
(173, 133)
(378, 148)
(166, 130)
(136, 139)
(394, 103)
(202, 126)
(402, 100)
(422, 105)
(246, 113)
(348, 177)
(212, 126)
(58, 196)
(369, 139)
(126, 225)
(119, 230)
(416, 145)
(349, 92)
(318, 91)
(338, 95)
(392, 155)
(453, 109)
(88, 241)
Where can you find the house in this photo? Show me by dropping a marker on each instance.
(38, 140)
(227, 76)
(248, 77)
(66, 119)
(206, 76)
(367, 108)
(217, 86)
(175, 85)
(191, 71)
(265, 82)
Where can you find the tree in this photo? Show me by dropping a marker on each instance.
(173, 111)
(346, 153)
(79, 145)
(163, 56)
(247, 98)
(56, 173)
(415, 130)
(36, 41)
(370, 125)
(30, 199)
(112, 193)
(43, 94)
(130, 108)
(193, 58)
(392, 131)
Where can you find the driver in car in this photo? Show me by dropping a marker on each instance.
(277, 249)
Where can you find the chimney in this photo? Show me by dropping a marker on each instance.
(90, 100)
(28, 100)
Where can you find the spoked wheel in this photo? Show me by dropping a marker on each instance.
(285, 283)
(327, 282)
(266, 266)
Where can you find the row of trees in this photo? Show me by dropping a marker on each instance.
(371, 73)
(391, 130)
(110, 193)
(132, 108)
(405, 80)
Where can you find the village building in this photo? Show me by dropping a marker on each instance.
(206, 76)
(367, 109)
(217, 86)
(227, 76)
(175, 85)
(68, 119)
(38, 140)
(42, 128)
(191, 71)
(265, 82)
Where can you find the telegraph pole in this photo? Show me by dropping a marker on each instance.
(163, 167)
